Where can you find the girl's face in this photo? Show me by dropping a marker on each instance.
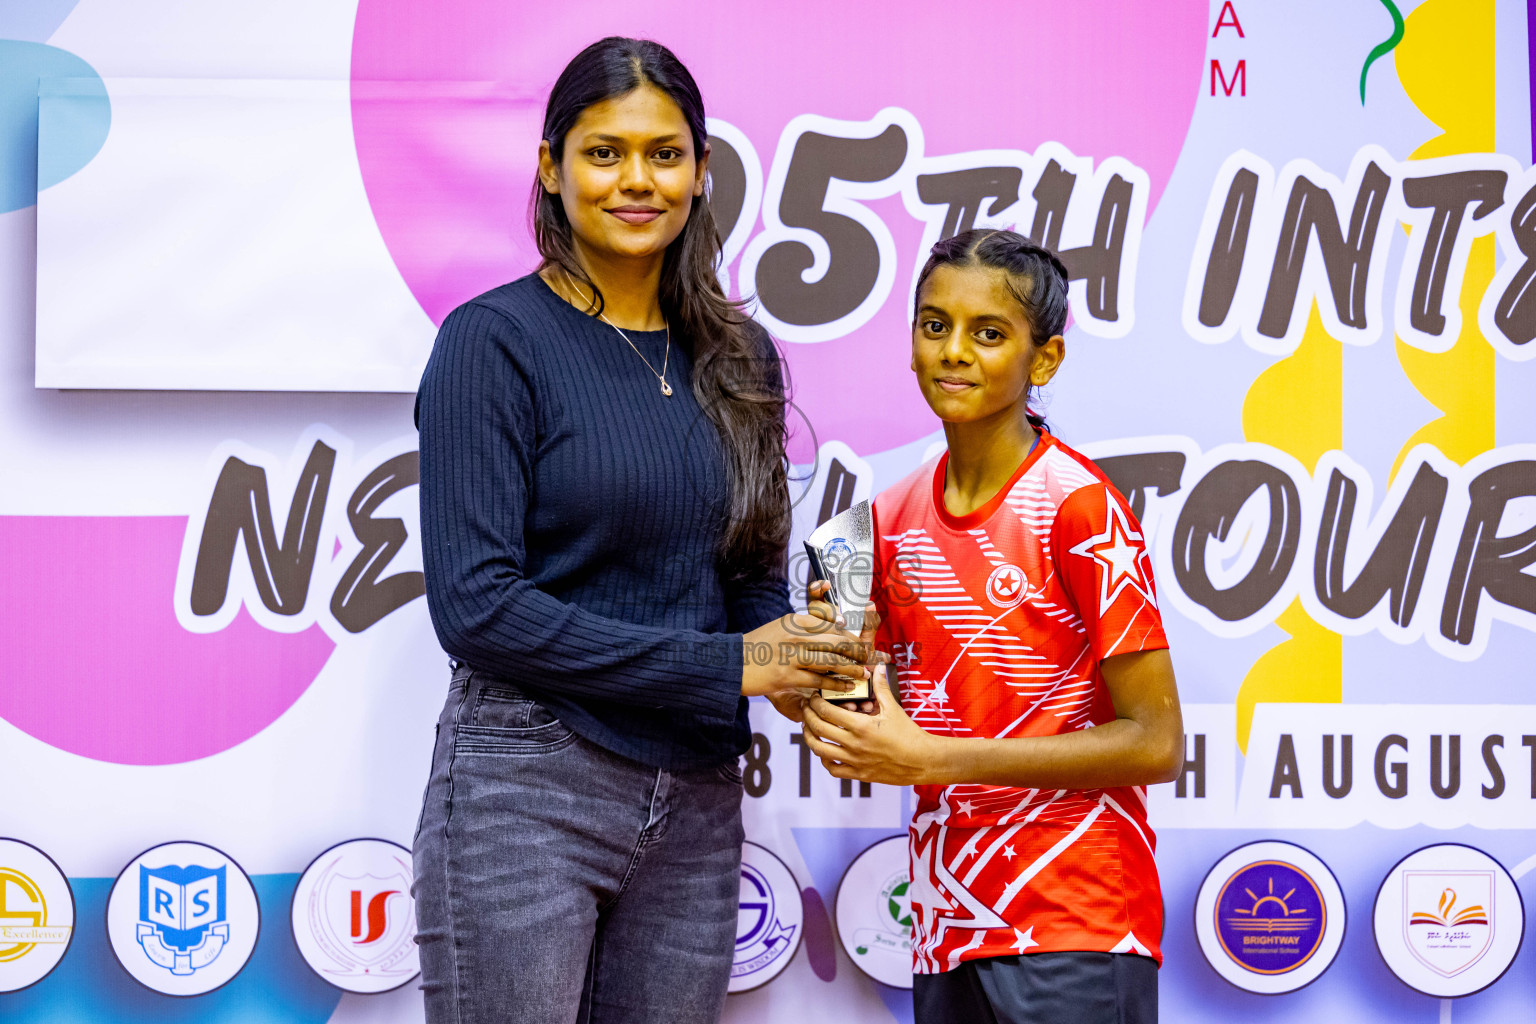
(628, 176)
(971, 346)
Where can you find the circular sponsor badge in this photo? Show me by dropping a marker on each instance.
(353, 917)
(182, 918)
(770, 919)
(874, 913)
(37, 915)
(1448, 920)
(1007, 585)
(1270, 917)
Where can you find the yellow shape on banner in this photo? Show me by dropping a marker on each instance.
(1460, 381)
(1297, 405)
(1307, 669)
(1445, 63)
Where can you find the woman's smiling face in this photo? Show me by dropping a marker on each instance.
(628, 176)
(972, 348)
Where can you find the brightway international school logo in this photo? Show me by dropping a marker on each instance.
(1270, 917)
(770, 919)
(353, 918)
(1448, 920)
(182, 919)
(37, 915)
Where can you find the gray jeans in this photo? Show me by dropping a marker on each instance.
(557, 882)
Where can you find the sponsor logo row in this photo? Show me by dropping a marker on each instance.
(872, 911)
(182, 918)
(1448, 919)
(1270, 918)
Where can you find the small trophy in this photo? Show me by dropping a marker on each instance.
(842, 552)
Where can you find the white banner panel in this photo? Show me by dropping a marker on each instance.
(221, 240)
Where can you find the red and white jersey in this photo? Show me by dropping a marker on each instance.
(997, 622)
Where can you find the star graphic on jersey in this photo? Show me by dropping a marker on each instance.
(1026, 939)
(1008, 583)
(925, 897)
(936, 698)
(966, 807)
(1009, 853)
(1118, 558)
(935, 892)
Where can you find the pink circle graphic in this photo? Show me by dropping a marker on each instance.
(95, 662)
(448, 104)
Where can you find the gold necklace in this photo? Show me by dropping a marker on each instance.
(666, 389)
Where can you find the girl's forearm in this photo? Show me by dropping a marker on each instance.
(1119, 753)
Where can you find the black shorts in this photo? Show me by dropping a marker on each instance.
(1041, 988)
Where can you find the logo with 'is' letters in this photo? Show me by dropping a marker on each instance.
(353, 918)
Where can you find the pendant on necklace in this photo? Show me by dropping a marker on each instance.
(666, 389)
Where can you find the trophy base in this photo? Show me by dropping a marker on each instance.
(858, 693)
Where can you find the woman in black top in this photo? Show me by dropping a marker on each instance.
(604, 520)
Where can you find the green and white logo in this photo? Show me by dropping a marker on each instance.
(874, 912)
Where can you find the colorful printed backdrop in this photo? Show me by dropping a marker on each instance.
(1302, 330)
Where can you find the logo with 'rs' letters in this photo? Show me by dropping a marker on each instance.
(182, 918)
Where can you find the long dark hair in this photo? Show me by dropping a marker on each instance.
(1036, 278)
(736, 376)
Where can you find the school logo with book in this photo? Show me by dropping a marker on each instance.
(874, 912)
(353, 918)
(770, 919)
(1448, 920)
(181, 916)
(1270, 917)
(182, 919)
(37, 915)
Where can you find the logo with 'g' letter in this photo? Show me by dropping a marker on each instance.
(769, 919)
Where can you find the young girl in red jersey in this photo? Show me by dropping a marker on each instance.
(1038, 700)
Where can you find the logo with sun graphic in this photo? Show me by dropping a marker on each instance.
(1270, 917)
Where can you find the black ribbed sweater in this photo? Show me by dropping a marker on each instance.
(569, 517)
